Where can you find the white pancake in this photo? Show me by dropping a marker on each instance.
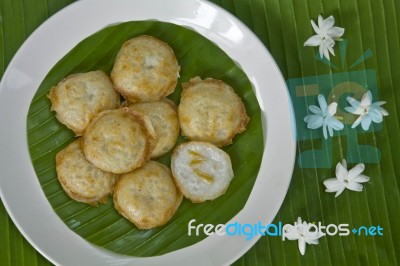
(201, 170)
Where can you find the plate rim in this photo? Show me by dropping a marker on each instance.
(200, 9)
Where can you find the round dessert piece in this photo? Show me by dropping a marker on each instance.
(145, 69)
(211, 111)
(80, 179)
(147, 196)
(79, 97)
(119, 140)
(201, 170)
(164, 118)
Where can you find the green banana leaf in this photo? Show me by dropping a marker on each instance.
(103, 225)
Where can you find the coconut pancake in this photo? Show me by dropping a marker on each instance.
(211, 111)
(164, 118)
(201, 170)
(79, 97)
(80, 179)
(145, 69)
(119, 140)
(147, 196)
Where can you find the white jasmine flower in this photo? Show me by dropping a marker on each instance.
(346, 179)
(323, 116)
(368, 112)
(326, 35)
(304, 233)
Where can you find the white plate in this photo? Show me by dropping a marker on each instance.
(19, 187)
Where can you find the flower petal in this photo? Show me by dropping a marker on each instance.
(329, 42)
(341, 172)
(334, 123)
(314, 40)
(375, 115)
(361, 179)
(359, 111)
(383, 111)
(325, 133)
(311, 240)
(354, 186)
(326, 52)
(314, 121)
(335, 32)
(350, 109)
(322, 102)
(377, 120)
(315, 109)
(332, 107)
(320, 21)
(302, 245)
(379, 103)
(325, 47)
(355, 171)
(344, 164)
(298, 220)
(332, 185)
(321, 50)
(327, 24)
(366, 122)
(339, 192)
(353, 102)
(301, 228)
(330, 129)
(330, 49)
(291, 232)
(313, 233)
(358, 121)
(366, 99)
(315, 27)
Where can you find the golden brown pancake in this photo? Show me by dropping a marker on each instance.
(80, 179)
(147, 196)
(211, 111)
(145, 69)
(164, 118)
(119, 140)
(79, 97)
